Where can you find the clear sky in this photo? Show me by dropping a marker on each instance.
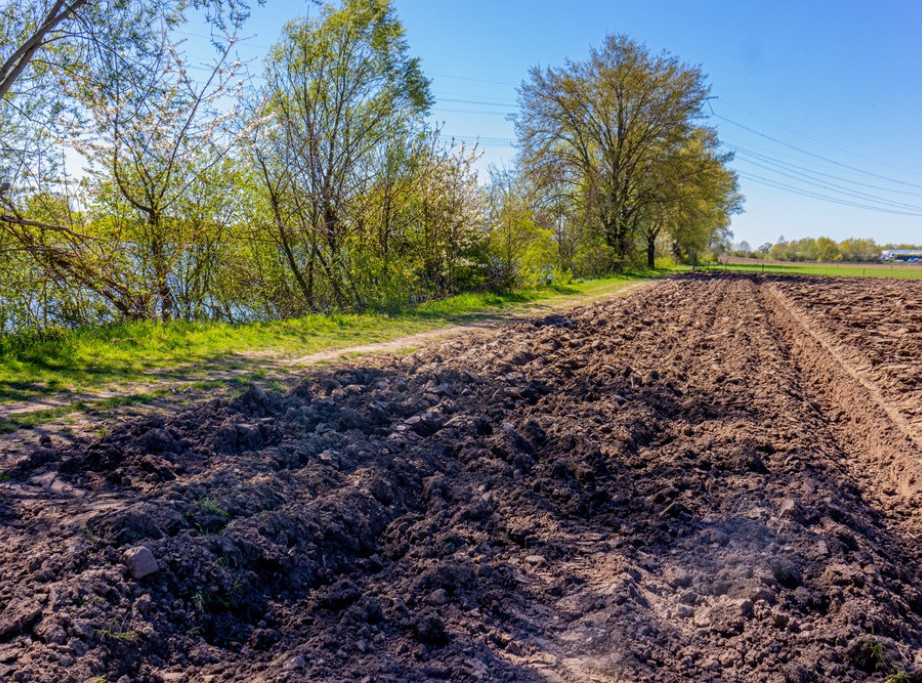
(820, 100)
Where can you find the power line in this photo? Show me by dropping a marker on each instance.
(840, 195)
(839, 189)
(796, 167)
(478, 102)
(817, 156)
(815, 195)
(476, 80)
(812, 139)
(471, 111)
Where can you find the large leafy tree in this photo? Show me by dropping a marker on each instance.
(608, 122)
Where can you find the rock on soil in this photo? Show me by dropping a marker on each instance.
(140, 562)
(716, 478)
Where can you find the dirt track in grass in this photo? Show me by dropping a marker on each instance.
(181, 384)
(715, 478)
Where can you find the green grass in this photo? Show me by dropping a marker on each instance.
(824, 269)
(189, 354)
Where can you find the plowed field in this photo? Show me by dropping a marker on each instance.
(716, 478)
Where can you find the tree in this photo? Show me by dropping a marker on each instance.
(827, 250)
(689, 197)
(610, 121)
(56, 34)
(446, 219)
(856, 249)
(80, 74)
(523, 253)
(151, 136)
(338, 91)
(51, 47)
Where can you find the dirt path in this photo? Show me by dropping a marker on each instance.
(714, 479)
(286, 368)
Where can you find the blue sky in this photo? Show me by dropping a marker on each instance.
(817, 98)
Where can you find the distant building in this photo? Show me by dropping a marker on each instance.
(900, 254)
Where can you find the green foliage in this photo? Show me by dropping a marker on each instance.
(826, 250)
(521, 253)
(181, 353)
(323, 192)
(212, 506)
(561, 277)
(665, 263)
(345, 161)
(117, 633)
(615, 137)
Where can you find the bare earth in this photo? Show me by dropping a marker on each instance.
(715, 478)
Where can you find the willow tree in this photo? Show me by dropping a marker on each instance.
(338, 90)
(609, 121)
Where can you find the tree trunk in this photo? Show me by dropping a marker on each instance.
(161, 268)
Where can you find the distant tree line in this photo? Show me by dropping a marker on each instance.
(324, 187)
(819, 250)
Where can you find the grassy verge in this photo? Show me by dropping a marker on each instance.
(132, 354)
(825, 269)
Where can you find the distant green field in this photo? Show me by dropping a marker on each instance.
(831, 270)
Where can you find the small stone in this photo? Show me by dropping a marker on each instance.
(514, 649)
(535, 560)
(438, 597)
(702, 618)
(140, 562)
(297, 662)
(684, 611)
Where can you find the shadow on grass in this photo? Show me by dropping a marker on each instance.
(72, 364)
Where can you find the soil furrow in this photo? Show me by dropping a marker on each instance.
(678, 485)
(858, 376)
